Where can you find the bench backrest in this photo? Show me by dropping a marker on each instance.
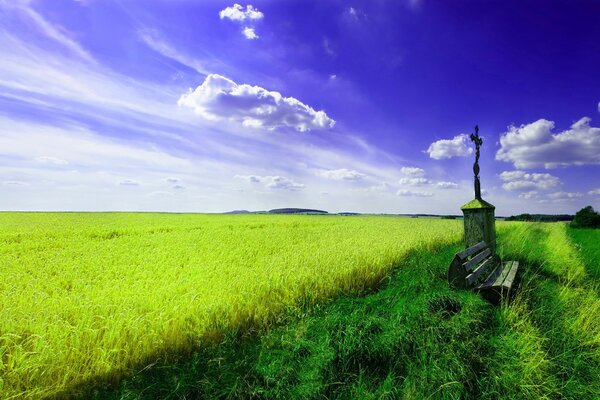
(470, 265)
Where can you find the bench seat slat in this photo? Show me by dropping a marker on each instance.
(497, 278)
(471, 250)
(471, 264)
(472, 277)
(511, 275)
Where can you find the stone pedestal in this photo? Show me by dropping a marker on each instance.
(480, 223)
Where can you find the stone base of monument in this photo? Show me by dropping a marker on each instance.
(480, 223)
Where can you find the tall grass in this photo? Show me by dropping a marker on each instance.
(416, 338)
(548, 345)
(103, 295)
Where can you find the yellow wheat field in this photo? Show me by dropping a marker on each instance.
(86, 295)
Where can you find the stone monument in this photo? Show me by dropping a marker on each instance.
(480, 222)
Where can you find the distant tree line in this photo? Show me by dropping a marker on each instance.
(586, 218)
(540, 217)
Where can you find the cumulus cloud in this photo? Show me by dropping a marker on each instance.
(446, 185)
(273, 182)
(129, 182)
(219, 98)
(534, 145)
(412, 193)
(237, 13)
(521, 180)
(51, 160)
(595, 191)
(415, 177)
(249, 33)
(448, 148)
(414, 181)
(528, 195)
(565, 195)
(343, 175)
(412, 171)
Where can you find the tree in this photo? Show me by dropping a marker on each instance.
(586, 218)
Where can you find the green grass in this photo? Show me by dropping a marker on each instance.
(371, 315)
(414, 338)
(101, 296)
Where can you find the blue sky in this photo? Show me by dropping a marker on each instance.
(365, 106)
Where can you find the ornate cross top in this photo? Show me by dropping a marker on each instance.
(478, 142)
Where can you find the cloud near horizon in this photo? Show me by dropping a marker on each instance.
(273, 182)
(413, 193)
(448, 148)
(534, 145)
(343, 175)
(219, 98)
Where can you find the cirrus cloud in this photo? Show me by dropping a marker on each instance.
(534, 145)
(219, 98)
(448, 148)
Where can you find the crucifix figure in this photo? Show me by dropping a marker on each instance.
(478, 142)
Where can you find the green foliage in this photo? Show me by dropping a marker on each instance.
(586, 218)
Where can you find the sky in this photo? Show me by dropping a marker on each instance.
(363, 106)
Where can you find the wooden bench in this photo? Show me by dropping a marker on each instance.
(480, 270)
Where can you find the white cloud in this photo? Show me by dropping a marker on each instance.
(412, 171)
(455, 147)
(595, 191)
(237, 13)
(172, 180)
(521, 180)
(178, 187)
(152, 39)
(272, 182)
(414, 181)
(599, 106)
(565, 195)
(412, 193)
(343, 175)
(534, 145)
(252, 106)
(129, 182)
(249, 33)
(58, 34)
(51, 160)
(446, 185)
(528, 195)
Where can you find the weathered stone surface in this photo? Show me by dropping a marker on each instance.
(480, 223)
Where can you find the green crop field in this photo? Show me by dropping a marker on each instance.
(278, 306)
(85, 295)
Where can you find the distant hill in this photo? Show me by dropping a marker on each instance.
(237, 212)
(540, 217)
(296, 211)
